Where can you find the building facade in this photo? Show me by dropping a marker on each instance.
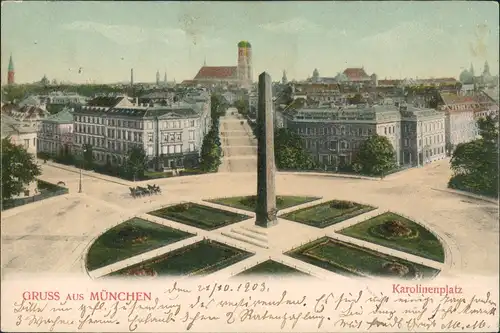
(171, 136)
(55, 135)
(423, 136)
(333, 136)
(21, 134)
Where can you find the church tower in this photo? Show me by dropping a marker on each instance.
(157, 78)
(244, 69)
(10, 74)
(284, 79)
(486, 70)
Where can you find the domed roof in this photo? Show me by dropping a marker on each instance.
(244, 43)
(466, 76)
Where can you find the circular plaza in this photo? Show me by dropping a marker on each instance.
(378, 220)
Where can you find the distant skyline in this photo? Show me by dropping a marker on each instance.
(107, 39)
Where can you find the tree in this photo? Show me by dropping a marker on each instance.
(19, 168)
(242, 106)
(289, 151)
(88, 156)
(218, 107)
(376, 156)
(211, 151)
(475, 164)
(137, 162)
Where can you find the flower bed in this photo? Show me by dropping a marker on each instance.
(201, 258)
(199, 216)
(130, 238)
(328, 213)
(352, 260)
(399, 233)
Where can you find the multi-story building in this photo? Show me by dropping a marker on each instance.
(26, 114)
(55, 134)
(22, 134)
(334, 135)
(170, 135)
(460, 118)
(422, 134)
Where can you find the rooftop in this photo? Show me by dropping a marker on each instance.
(181, 111)
(356, 73)
(219, 72)
(63, 117)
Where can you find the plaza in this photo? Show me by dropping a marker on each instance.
(54, 235)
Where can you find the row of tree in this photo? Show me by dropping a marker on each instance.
(475, 163)
(211, 151)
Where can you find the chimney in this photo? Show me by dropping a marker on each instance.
(137, 101)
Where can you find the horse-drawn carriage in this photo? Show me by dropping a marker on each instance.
(140, 191)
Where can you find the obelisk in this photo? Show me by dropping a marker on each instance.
(266, 189)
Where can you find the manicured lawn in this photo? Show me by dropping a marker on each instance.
(130, 238)
(199, 216)
(324, 215)
(201, 258)
(425, 244)
(271, 267)
(157, 174)
(351, 260)
(249, 203)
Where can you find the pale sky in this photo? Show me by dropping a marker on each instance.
(106, 39)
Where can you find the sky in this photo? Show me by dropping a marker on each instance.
(101, 41)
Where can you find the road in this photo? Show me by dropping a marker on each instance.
(238, 143)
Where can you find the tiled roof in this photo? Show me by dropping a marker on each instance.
(222, 72)
(141, 112)
(33, 112)
(105, 101)
(450, 98)
(63, 117)
(356, 73)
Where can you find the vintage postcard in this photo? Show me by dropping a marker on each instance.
(249, 166)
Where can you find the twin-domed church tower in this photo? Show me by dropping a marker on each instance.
(245, 63)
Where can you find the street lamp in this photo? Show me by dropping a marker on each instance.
(81, 166)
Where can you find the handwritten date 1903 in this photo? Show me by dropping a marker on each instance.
(241, 287)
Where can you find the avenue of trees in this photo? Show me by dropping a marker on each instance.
(475, 164)
(211, 151)
(19, 169)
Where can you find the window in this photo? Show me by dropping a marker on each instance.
(150, 148)
(150, 137)
(407, 142)
(170, 149)
(34, 142)
(191, 135)
(191, 147)
(178, 137)
(178, 149)
(191, 123)
(26, 143)
(385, 130)
(164, 149)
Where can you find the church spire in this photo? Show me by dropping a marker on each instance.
(486, 70)
(205, 61)
(10, 74)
